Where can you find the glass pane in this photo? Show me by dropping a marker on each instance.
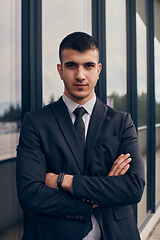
(142, 94)
(10, 116)
(157, 95)
(57, 23)
(10, 77)
(116, 53)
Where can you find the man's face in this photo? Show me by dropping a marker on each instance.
(79, 72)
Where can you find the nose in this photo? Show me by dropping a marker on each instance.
(80, 74)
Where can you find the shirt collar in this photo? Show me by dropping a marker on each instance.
(71, 105)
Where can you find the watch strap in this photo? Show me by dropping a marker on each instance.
(60, 180)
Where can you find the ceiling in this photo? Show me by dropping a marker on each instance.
(141, 11)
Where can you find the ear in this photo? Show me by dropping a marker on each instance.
(59, 69)
(99, 70)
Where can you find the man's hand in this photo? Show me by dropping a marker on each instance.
(51, 181)
(121, 165)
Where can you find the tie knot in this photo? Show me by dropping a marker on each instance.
(79, 111)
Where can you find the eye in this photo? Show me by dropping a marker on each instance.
(90, 65)
(70, 65)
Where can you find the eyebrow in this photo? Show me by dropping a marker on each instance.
(70, 62)
(91, 63)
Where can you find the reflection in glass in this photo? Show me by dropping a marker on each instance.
(142, 97)
(10, 77)
(116, 53)
(59, 19)
(157, 95)
(10, 115)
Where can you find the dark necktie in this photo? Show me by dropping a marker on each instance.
(79, 126)
(80, 129)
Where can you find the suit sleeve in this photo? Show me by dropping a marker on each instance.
(116, 190)
(33, 195)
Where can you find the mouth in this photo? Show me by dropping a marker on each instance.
(80, 85)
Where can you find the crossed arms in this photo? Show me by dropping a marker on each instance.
(38, 192)
(119, 167)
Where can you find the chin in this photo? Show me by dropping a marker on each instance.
(80, 96)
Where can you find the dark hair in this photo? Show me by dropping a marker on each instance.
(78, 41)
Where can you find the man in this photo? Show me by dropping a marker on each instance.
(77, 176)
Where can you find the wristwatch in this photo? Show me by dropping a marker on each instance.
(60, 180)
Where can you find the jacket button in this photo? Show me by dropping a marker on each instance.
(76, 217)
(80, 217)
(68, 216)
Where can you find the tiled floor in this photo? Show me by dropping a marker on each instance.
(142, 206)
(155, 235)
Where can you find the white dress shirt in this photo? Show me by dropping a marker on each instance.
(95, 233)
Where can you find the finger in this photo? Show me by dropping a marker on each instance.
(95, 206)
(125, 169)
(118, 162)
(117, 168)
(121, 166)
(122, 158)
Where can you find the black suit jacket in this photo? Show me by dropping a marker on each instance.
(48, 143)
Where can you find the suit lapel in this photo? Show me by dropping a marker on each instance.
(65, 123)
(96, 121)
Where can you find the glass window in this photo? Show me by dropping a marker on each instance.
(157, 94)
(116, 53)
(142, 94)
(10, 116)
(10, 77)
(60, 17)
